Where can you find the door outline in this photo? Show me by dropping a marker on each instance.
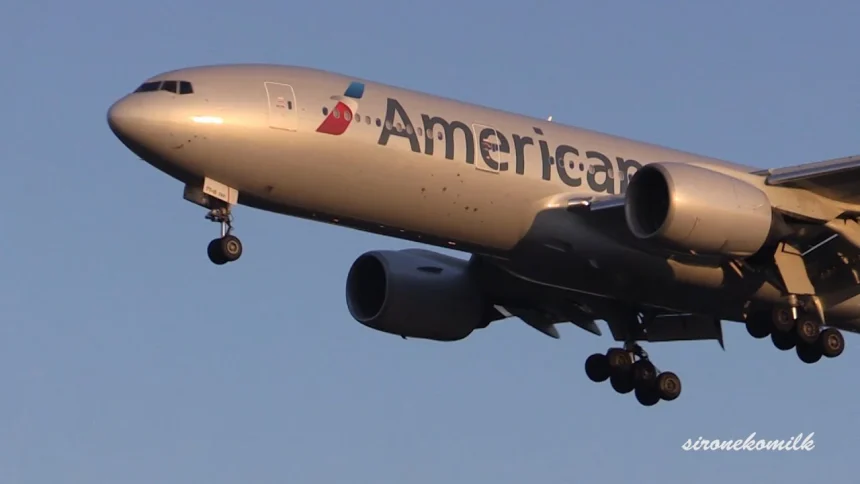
(283, 110)
(495, 151)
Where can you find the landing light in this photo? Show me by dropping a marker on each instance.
(207, 119)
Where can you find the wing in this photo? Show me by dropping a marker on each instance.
(837, 179)
(818, 253)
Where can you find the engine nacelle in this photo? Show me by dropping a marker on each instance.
(414, 293)
(690, 208)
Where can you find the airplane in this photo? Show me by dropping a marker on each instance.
(561, 224)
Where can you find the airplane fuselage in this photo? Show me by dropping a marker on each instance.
(341, 150)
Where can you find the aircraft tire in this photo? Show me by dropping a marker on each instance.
(782, 319)
(832, 342)
(783, 341)
(225, 249)
(647, 395)
(758, 327)
(668, 386)
(808, 353)
(231, 247)
(644, 373)
(808, 330)
(215, 254)
(622, 382)
(619, 360)
(597, 367)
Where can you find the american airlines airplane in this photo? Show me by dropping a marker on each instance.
(562, 224)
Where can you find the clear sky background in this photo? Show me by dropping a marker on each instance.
(127, 357)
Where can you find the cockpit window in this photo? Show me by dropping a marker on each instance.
(148, 86)
(176, 87)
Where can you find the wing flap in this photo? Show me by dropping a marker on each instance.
(685, 327)
(545, 322)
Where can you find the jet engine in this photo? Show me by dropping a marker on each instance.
(415, 293)
(690, 208)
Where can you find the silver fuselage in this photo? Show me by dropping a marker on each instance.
(255, 128)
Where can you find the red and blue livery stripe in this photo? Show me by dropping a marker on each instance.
(340, 117)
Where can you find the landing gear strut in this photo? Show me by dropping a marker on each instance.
(228, 247)
(629, 369)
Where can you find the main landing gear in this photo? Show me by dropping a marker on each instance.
(799, 329)
(628, 370)
(228, 247)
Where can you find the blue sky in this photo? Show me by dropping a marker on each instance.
(125, 356)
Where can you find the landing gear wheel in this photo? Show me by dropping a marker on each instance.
(223, 250)
(808, 330)
(783, 320)
(644, 373)
(758, 327)
(228, 247)
(668, 386)
(808, 353)
(597, 367)
(832, 342)
(231, 247)
(622, 382)
(783, 340)
(215, 253)
(647, 395)
(619, 360)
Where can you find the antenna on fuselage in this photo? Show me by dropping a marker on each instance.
(549, 119)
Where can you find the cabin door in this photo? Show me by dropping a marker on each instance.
(283, 113)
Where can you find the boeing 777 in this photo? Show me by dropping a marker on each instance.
(563, 224)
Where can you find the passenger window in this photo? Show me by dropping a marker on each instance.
(409, 128)
(388, 125)
(439, 135)
(336, 114)
(347, 116)
(420, 132)
(149, 86)
(378, 122)
(289, 105)
(170, 86)
(325, 111)
(367, 119)
(185, 88)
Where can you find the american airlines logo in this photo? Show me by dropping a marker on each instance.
(571, 166)
(340, 117)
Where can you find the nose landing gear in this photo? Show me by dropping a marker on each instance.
(217, 198)
(228, 247)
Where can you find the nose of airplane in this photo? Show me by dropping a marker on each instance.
(124, 117)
